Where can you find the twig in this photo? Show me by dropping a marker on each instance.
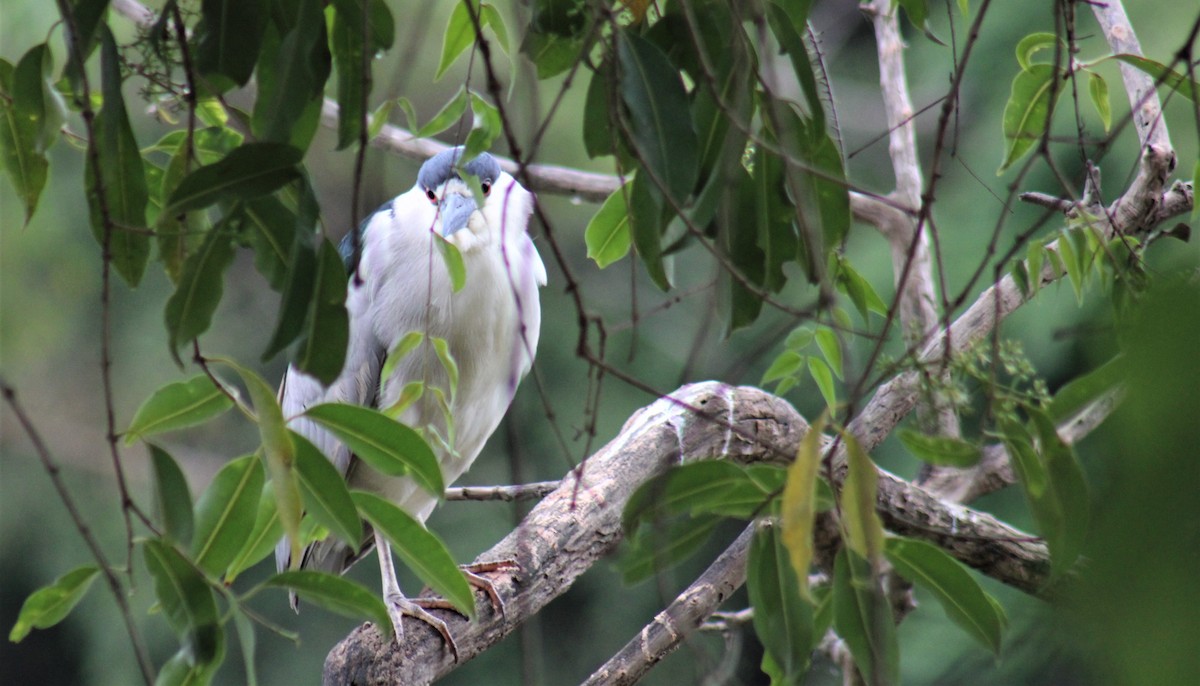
(680, 619)
(110, 574)
(508, 494)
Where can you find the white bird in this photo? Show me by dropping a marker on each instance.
(403, 285)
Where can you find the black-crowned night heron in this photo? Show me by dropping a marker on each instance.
(491, 326)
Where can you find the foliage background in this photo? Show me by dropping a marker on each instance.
(49, 325)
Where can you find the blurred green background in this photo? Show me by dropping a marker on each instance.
(50, 328)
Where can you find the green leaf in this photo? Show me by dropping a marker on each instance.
(1162, 74)
(453, 259)
(658, 546)
(786, 364)
(599, 131)
(407, 343)
(1034, 42)
(172, 497)
(381, 28)
(783, 619)
(442, 348)
(186, 600)
(863, 529)
(270, 229)
(176, 406)
(960, 595)
(420, 550)
(1027, 113)
(551, 53)
(122, 174)
(390, 447)
(645, 223)
(450, 113)
(278, 452)
(1068, 497)
(1072, 261)
(51, 604)
(225, 513)
(322, 351)
(228, 38)
(607, 234)
(297, 297)
(292, 72)
(861, 292)
(263, 535)
(862, 617)
(326, 497)
(1077, 394)
(941, 450)
(660, 118)
(250, 171)
(245, 632)
(460, 35)
(787, 29)
(798, 509)
(490, 16)
(821, 373)
(486, 129)
(30, 117)
(1098, 90)
(831, 348)
(702, 487)
(336, 594)
(191, 307)
(183, 670)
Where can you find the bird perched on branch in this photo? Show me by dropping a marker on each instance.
(404, 283)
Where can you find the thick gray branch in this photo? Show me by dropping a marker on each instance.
(1143, 99)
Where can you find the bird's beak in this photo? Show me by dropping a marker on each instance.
(455, 212)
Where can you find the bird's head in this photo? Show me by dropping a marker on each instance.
(445, 189)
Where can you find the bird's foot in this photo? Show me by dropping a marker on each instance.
(473, 572)
(399, 607)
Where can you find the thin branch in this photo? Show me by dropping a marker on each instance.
(508, 494)
(85, 532)
(1140, 86)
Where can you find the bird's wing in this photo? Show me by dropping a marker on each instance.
(357, 384)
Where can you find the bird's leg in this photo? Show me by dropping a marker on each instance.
(398, 606)
(472, 573)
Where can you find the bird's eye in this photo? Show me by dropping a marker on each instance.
(485, 187)
(431, 195)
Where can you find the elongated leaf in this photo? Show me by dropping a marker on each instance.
(862, 617)
(322, 350)
(326, 497)
(490, 16)
(1076, 395)
(245, 632)
(336, 594)
(661, 120)
(278, 452)
(645, 224)
(263, 536)
(599, 133)
(658, 546)
(799, 507)
(251, 170)
(706, 486)
(460, 35)
(389, 446)
(420, 550)
(178, 405)
(225, 513)
(186, 600)
(831, 348)
(30, 117)
(270, 229)
(122, 174)
(228, 39)
(486, 129)
(783, 619)
(297, 297)
(407, 343)
(821, 374)
(1035, 42)
(861, 292)
(353, 85)
(941, 450)
(1027, 114)
(190, 309)
(787, 29)
(1098, 91)
(552, 53)
(864, 531)
(453, 259)
(172, 497)
(291, 76)
(51, 604)
(786, 364)
(1068, 493)
(183, 669)
(1162, 74)
(447, 116)
(963, 599)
